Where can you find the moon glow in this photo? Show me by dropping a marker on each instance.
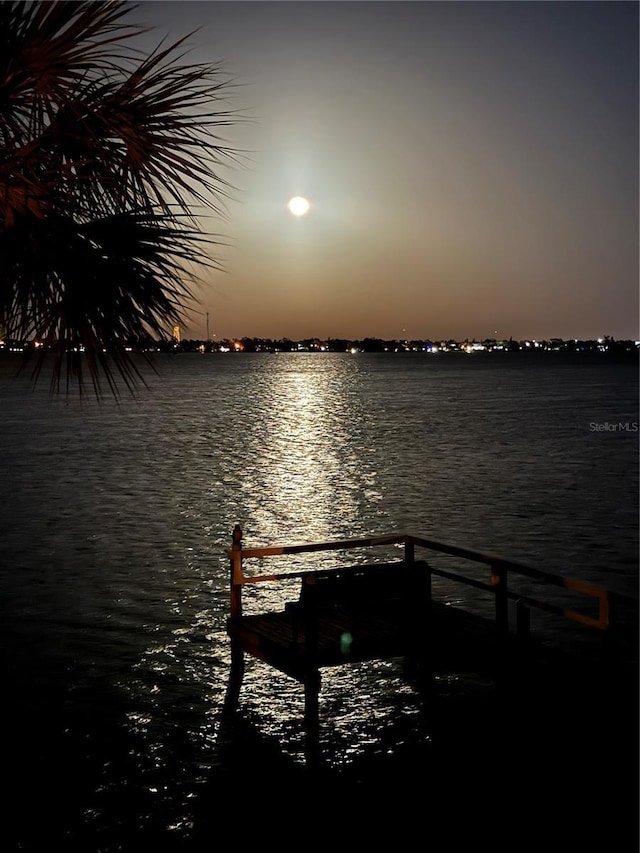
(298, 205)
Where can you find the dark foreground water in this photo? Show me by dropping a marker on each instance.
(113, 574)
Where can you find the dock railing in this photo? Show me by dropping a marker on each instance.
(604, 603)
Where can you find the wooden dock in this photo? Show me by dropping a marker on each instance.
(405, 605)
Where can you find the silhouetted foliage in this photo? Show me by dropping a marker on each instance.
(106, 158)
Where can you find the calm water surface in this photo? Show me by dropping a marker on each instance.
(115, 520)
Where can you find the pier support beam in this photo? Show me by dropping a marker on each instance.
(236, 675)
(311, 719)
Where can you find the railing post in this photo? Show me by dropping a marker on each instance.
(419, 626)
(236, 673)
(311, 676)
(409, 552)
(236, 573)
(523, 622)
(499, 584)
(428, 588)
(608, 615)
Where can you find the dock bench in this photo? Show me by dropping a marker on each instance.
(343, 615)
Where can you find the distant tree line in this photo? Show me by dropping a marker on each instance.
(246, 344)
(251, 344)
(166, 344)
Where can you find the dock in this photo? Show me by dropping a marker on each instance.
(441, 609)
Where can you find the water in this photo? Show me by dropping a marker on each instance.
(116, 517)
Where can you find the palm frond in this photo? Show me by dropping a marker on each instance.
(103, 158)
(92, 288)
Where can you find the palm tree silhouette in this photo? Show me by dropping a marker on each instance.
(106, 157)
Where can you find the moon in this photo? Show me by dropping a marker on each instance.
(298, 205)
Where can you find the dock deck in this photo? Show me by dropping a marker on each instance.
(407, 607)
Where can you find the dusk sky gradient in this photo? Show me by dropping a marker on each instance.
(472, 167)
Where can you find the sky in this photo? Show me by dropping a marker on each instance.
(471, 167)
